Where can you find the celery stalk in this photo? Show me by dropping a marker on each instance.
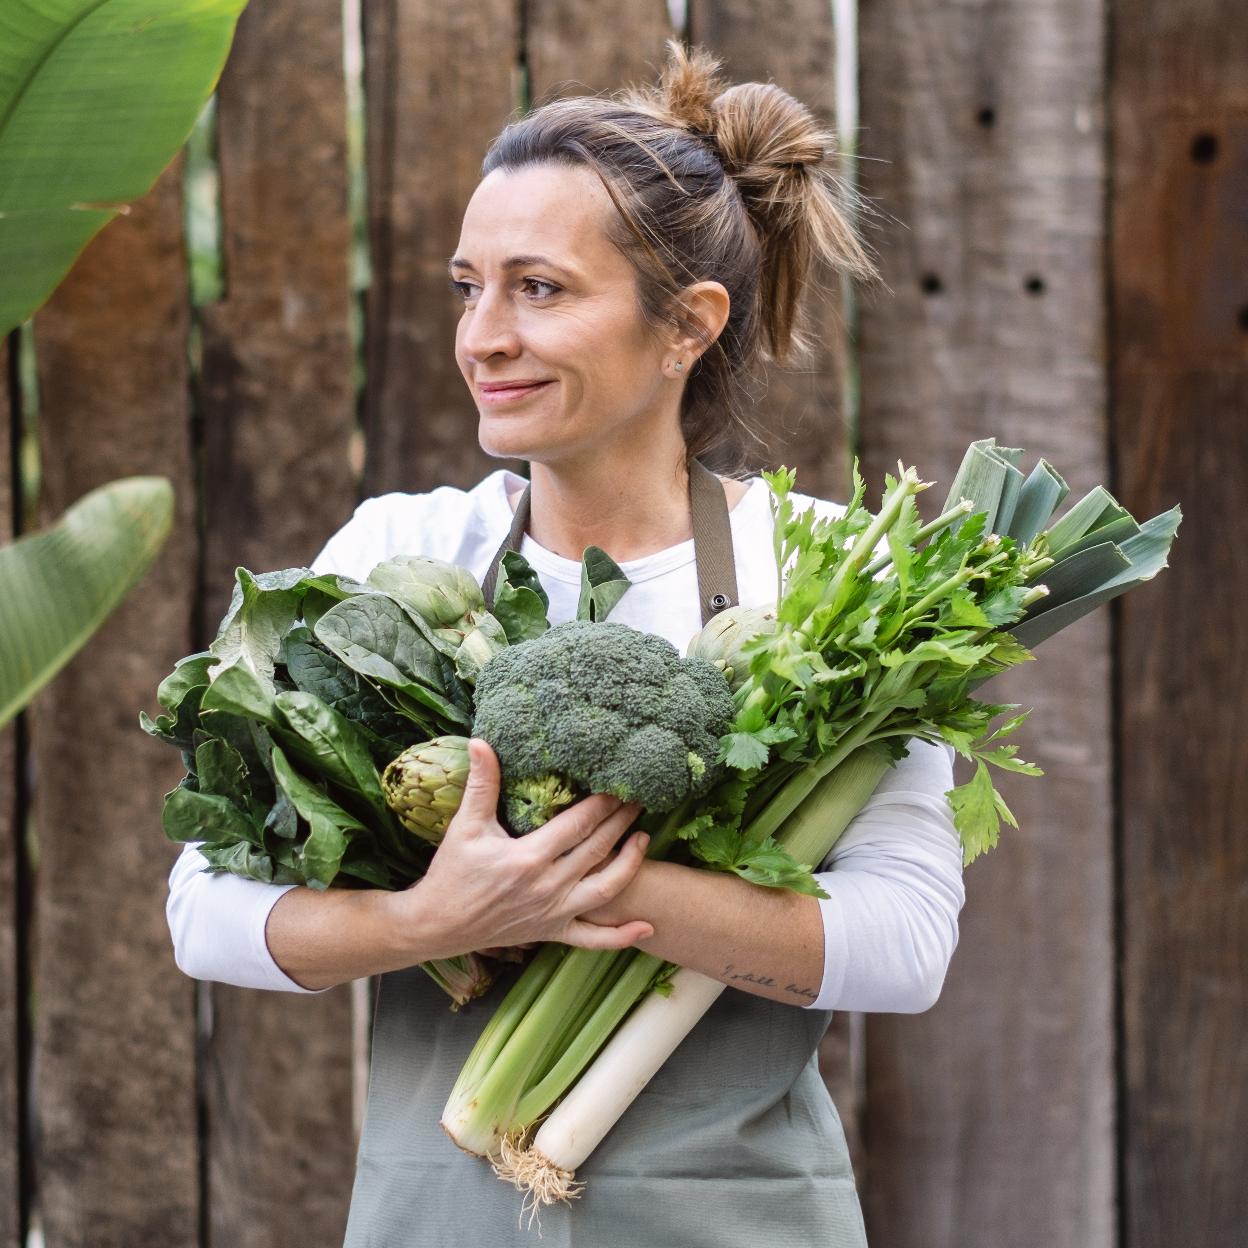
(589, 1038)
(510, 1011)
(812, 830)
(480, 1111)
(653, 1031)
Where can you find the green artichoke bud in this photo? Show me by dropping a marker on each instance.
(441, 593)
(480, 644)
(722, 638)
(425, 785)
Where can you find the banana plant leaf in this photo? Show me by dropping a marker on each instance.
(58, 586)
(96, 98)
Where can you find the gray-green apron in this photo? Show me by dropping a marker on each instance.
(734, 1144)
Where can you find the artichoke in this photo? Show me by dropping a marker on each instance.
(724, 635)
(425, 785)
(441, 593)
(481, 643)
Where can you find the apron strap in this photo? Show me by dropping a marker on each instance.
(712, 542)
(512, 541)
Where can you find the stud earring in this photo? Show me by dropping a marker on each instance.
(679, 365)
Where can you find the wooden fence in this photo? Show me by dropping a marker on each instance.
(1066, 246)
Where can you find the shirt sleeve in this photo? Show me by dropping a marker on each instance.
(895, 890)
(217, 920)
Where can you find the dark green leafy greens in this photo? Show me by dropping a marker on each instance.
(313, 684)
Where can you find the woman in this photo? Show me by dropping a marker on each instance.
(622, 266)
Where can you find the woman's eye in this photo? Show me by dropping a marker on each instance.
(465, 289)
(537, 281)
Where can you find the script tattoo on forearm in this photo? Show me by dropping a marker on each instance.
(731, 974)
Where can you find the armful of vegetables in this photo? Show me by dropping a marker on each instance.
(322, 731)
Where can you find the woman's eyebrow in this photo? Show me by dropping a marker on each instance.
(512, 262)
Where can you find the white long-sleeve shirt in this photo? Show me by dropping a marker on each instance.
(894, 879)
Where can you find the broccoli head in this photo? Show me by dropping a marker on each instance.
(600, 708)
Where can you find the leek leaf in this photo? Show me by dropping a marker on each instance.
(1040, 496)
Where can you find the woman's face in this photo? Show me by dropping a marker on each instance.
(569, 320)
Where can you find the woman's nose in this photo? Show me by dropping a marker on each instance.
(489, 327)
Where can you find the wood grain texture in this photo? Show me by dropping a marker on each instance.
(577, 49)
(990, 1119)
(1180, 356)
(278, 412)
(802, 409)
(11, 1077)
(802, 406)
(114, 1033)
(440, 82)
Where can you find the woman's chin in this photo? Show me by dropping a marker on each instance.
(514, 437)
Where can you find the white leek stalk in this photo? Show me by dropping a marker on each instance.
(628, 1061)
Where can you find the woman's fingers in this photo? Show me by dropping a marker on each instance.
(570, 827)
(599, 843)
(601, 886)
(592, 936)
(478, 810)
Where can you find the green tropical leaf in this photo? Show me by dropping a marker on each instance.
(96, 98)
(58, 586)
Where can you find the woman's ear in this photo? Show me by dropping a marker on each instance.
(699, 318)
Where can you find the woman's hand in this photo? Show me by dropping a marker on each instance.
(486, 889)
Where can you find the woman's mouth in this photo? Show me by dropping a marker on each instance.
(509, 394)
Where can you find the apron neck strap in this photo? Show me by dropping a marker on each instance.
(712, 542)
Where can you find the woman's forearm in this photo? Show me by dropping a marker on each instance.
(767, 941)
(326, 937)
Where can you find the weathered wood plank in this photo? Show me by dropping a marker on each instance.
(114, 1018)
(802, 407)
(424, 64)
(991, 1117)
(1180, 312)
(277, 409)
(576, 49)
(11, 1077)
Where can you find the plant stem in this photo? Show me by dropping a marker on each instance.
(589, 1038)
(812, 830)
(941, 522)
(510, 1011)
(869, 538)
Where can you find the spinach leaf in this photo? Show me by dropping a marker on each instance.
(603, 584)
(281, 821)
(253, 743)
(373, 635)
(520, 602)
(315, 670)
(188, 815)
(331, 829)
(262, 608)
(332, 745)
(221, 770)
(242, 692)
(249, 862)
(179, 693)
